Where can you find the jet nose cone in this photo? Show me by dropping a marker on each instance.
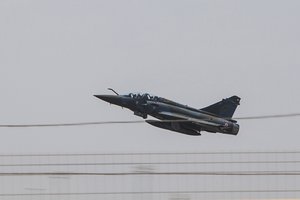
(110, 99)
(107, 98)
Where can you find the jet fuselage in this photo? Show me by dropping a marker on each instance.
(174, 116)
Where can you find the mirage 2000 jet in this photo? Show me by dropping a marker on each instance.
(178, 117)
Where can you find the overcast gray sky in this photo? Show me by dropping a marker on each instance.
(55, 55)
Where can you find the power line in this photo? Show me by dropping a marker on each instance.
(133, 121)
(220, 173)
(149, 163)
(69, 124)
(269, 116)
(152, 153)
(149, 192)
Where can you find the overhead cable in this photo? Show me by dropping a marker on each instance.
(151, 153)
(149, 192)
(135, 121)
(269, 116)
(212, 173)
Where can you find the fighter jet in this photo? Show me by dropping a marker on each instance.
(173, 116)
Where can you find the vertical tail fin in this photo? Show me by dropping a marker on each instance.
(224, 108)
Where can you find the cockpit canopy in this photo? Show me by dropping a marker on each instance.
(148, 97)
(145, 96)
